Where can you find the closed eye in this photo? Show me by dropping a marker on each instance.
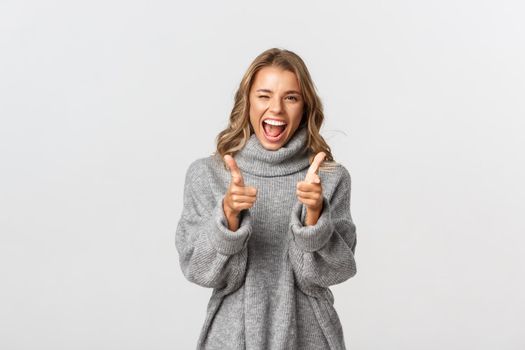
(294, 98)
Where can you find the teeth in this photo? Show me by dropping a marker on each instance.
(274, 122)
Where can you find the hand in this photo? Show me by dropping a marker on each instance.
(310, 191)
(238, 196)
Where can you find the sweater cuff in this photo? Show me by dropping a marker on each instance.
(313, 237)
(226, 241)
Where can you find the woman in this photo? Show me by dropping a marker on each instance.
(266, 219)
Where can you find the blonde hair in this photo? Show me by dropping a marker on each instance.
(234, 137)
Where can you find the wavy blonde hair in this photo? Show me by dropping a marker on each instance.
(232, 139)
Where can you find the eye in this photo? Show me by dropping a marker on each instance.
(294, 98)
(262, 96)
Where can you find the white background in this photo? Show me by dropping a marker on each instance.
(104, 104)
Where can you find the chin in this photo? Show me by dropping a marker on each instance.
(271, 147)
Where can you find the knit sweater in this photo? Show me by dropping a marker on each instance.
(271, 276)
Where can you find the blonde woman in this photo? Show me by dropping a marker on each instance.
(266, 219)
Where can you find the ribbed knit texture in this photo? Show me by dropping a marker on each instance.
(270, 278)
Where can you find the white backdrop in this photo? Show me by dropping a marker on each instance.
(104, 104)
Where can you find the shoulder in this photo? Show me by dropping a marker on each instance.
(336, 181)
(205, 171)
(340, 175)
(201, 169)
(344, 174)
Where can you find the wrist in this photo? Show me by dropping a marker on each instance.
(232, 217)
(312, 215)
(315, 210)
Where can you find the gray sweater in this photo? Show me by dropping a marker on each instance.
(270, 278)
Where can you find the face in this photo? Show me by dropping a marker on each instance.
(276, 106)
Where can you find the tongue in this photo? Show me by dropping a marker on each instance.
(273, 130)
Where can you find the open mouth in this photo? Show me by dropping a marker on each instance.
(274, 129)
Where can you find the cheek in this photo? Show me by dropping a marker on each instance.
(253, 119)
(254, 113)
(257, 106)
(252, 108)
(296, 113)
(255, 116)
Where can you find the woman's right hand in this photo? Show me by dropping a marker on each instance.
(238, 196)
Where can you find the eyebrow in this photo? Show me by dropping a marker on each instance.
(286, 92)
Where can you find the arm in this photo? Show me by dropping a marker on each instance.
(323, 254)
(210, 254)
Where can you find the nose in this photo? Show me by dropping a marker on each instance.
(275, 105)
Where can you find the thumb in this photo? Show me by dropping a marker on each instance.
(234, 170)
(311, 175)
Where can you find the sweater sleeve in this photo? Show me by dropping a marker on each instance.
(210, 254)
(323, 254)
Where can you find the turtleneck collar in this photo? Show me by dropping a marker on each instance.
(292, 157)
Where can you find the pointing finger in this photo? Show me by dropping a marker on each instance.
(234, 170)
(311, 175)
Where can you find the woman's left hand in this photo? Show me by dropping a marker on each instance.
(310, 191)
